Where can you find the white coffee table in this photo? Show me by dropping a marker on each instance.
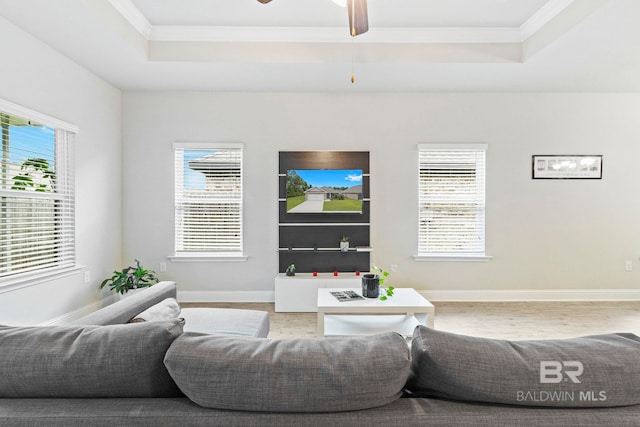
(400, 313)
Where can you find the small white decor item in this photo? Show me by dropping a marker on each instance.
(344, 244)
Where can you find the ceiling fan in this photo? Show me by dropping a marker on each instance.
(358, 19)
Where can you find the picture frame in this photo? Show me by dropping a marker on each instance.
(556, 166)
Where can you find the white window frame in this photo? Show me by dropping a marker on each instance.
(468, 253)
(181, 255)
(64, 263)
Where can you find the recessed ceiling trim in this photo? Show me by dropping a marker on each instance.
(471, 35)
(333, 35)
(546, 13)
(323, 53)
(132, 14)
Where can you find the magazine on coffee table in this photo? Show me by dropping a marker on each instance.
(344, 296)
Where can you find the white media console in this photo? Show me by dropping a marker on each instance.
(299, 293)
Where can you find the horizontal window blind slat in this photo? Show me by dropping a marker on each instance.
(45, 252)
(451, 200)
(37, 209)
(208, 200)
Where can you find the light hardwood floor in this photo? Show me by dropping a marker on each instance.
(505, 320)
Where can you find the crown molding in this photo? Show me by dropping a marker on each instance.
(167, 33)
(546, 13)
(396, 35)
(133, 15)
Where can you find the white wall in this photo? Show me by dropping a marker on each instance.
(542, 235)
(37, 77)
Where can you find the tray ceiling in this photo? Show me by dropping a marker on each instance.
(304, 45)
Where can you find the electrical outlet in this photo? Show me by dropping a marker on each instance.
(163, 267)
(87, 276)
(628, 266)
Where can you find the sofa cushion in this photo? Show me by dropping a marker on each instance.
(166, 309)
(290, 375)
(87, 361)
(181, 412)
(592, 371)
(226, 321)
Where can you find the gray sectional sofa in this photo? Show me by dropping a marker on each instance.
(102, 371)
(219, 321)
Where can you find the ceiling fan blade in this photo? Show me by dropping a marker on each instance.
(358, 18)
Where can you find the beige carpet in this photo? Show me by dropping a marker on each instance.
(506, 320)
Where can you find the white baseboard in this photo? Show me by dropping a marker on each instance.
(433, 295)
(226, 296)
(83, 311)
(439, 295)
(533, 295)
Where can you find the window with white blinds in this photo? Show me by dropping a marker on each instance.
(208, 199)
(452, 200)
(37, 207)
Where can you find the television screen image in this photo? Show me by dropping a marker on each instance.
(324, 191)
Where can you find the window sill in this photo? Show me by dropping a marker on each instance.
(209, 258)
(452, 258)
(25, 280)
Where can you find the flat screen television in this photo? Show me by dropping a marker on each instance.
(324, 191)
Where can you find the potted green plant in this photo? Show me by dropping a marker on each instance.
(291, 270)
(344, 244)
(371, 283)
(130, 278)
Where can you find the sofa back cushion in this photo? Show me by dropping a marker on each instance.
(290, 375)
(87, 361)
(592, 371)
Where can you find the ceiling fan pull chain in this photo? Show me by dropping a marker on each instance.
(353, 38)
(353, 76)
(353, 19)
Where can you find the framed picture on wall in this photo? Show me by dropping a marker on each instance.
(566, 166)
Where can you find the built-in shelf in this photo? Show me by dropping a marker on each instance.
(322, 250)
(311, 240)
(324, 224)
(299, 293)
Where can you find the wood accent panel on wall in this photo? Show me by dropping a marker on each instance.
(324, 160)
(311, 240)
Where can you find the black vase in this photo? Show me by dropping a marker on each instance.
(370, 285)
